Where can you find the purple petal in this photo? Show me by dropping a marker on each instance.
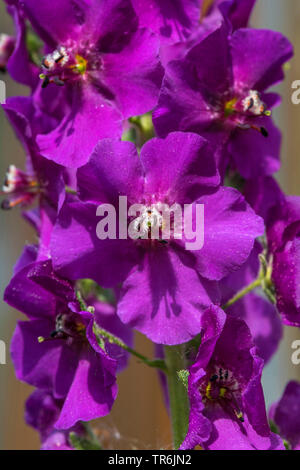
(286, 414)
(114, 169)
(286, 278)
(36, 363)
(181, 166)
(258, 56)
(164, 297)
(77, 253)
(90, 116)
(253, 154)
(134, 75)
(25, 295)
(173, 20)
(55, 21)
(230, 228)
(87, 398)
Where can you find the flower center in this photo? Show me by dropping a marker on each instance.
(19, 187)
(240, 111)
(224, 389)
(150, 221)
(67, 326)
(157, 222)
(69, 63)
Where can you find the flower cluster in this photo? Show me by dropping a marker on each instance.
(98, 72)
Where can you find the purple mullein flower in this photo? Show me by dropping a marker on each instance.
(67, 360)
(109, 66)
(282, 217)
(218, 91)
(227, 408)
(285, 414)
(165, 286)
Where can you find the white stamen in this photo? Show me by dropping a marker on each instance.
(253, 103)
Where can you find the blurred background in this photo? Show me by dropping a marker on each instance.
(139, 419)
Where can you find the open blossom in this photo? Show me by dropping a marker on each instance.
(218, 90)
(56, 350)
(227, 408)
(165, 287)
(285, 414)
(282, 217)
(109, 66)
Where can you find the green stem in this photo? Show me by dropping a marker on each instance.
(240, 294)
(101, 333)
(179, 405)
(70, 190)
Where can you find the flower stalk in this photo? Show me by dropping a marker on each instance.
(179, 405)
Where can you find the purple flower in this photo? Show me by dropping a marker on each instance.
(285, 414)
(109, 66)
(260, 315)
(282, 217)
(227, 408)
(218, 91)
(42, 411)
(67, 360)
(165, 287)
